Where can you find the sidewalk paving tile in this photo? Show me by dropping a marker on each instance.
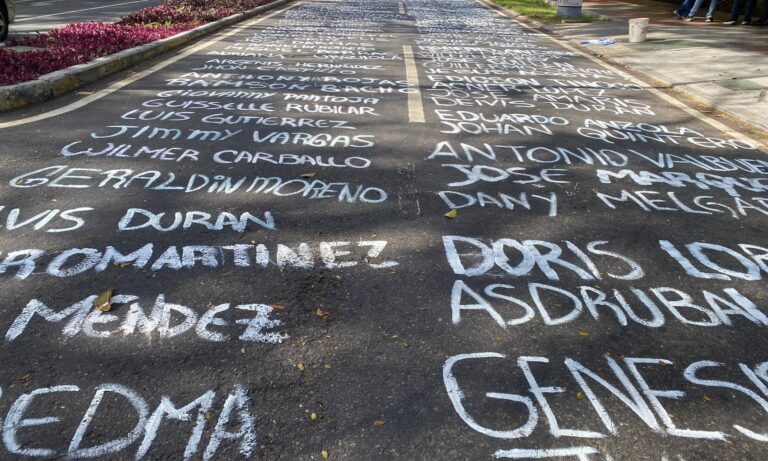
(740, 85)
(720, 65)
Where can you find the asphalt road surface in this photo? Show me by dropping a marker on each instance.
(43, 15)
(269, 210)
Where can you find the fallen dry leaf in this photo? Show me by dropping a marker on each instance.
(378, 422)
(404, 343)
(580, 395)
(707, 399)
(103, 302)
(452, 214)
(324, 454)
(300, 367)
(308, 175)
(327, 365)
(25, 377)
(242, 351)
(208, 416)
(322, 314)
(313, 416)
(278, 307)
(583, 333)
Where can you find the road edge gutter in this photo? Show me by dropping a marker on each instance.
(694, 101)
(55, 84)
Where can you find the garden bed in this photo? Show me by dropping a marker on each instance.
(78, 43)
(541, 10)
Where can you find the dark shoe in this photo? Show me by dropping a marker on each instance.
(688, 18)
(709, 19)
(677, 15)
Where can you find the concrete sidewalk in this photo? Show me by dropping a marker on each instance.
(724, 66)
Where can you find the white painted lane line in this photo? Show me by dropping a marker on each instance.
(415, 107)
(78, 11)
(19, 2)
(127, 81)
(671, 100)
(581, 453)
(401, 7)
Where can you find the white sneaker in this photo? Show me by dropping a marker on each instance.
(729, 23)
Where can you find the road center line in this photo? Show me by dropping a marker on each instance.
(523, 453)
(133, 78)
(78, 11)
(415, 107)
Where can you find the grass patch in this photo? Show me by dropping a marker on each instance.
(540, 11)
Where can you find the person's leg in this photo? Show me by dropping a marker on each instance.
(694, 8)
(682, 10)
(735, 10)
(748, 10)
(712, 8)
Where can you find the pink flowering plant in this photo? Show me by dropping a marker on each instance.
(83, 42)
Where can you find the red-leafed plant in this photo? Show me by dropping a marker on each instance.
(83, 42)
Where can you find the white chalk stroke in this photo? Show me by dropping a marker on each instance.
(165, 320)
(139, 424)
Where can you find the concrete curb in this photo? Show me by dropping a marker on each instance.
(63, 81)
(656, 81)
